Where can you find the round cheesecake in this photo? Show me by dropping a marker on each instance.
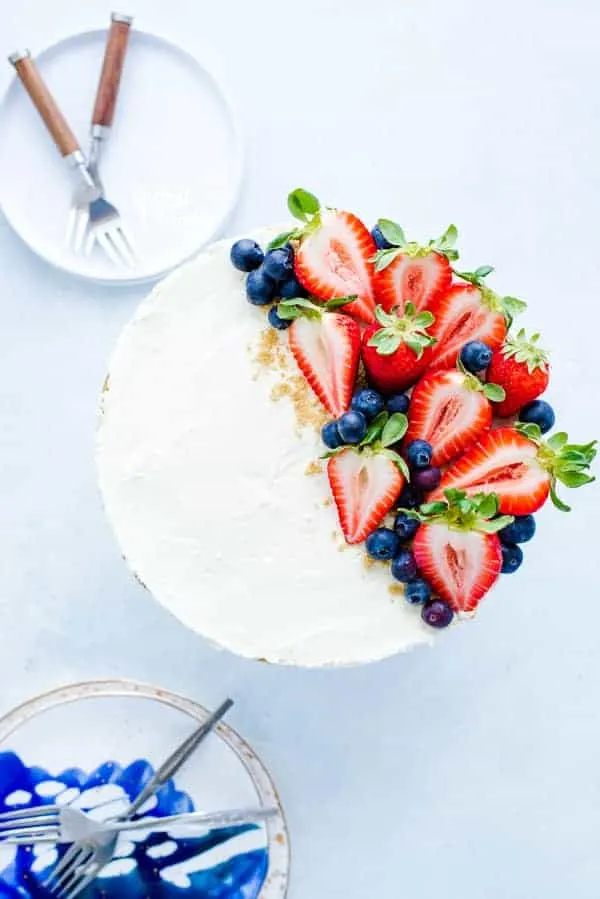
(209, 465)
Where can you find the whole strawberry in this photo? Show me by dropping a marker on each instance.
(521, 367)
(398, 349)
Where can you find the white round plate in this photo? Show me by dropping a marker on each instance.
(98, 729)
(172, 165)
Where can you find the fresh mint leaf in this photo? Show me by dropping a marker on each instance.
(392, 232)
(375, 428)
(303, 204)
(282, 239)
(395, 429)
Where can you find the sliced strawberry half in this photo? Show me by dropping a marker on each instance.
(333, 260)
(506, 463)
(461, 565)
(521, 468)
(326, 346)
(412, 279)
(463, 313)
(448, 409)
(365, 487)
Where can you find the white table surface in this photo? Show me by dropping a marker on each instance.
(464, 772)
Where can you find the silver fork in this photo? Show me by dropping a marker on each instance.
(64, 824)
(105, 217)
(102, 119)
(101, 221)
(82, 862)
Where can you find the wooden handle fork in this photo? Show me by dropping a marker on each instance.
(112, 69)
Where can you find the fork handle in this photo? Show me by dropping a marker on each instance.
(112, 69)
(45, 103)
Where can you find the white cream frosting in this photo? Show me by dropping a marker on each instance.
(204, 478)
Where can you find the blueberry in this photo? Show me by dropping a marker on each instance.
(279, 263)
(382, 544)
(512, 556)
(405, 526)
(352, 426)
(331, 436)
(410, 498)
(475, 356)
(417, 592)
(397, 403)
(419, 453)
(260, 289)
(369, 402)
(291, 288)
(539, 412)
(404, 566)
(280, 323)
(427, 479)
(246, 255)
(437, 613)
(380, 240)
(520, 531)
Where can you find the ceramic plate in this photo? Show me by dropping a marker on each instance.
(172, 165)
(95, 745)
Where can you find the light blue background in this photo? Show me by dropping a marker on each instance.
(467, 771)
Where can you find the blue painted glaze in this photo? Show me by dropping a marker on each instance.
(236, 875)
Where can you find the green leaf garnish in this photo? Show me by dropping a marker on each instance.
(394, 429)
(513, 306)
(375, 429)
(302, 204)
(494, 392)
(339, 302)
(383, 258)
(488, 507)
(399, 461)
(282, 239)
(466, 513)
(392, 232)
(557, 441)
(436, 508)
(297, 307)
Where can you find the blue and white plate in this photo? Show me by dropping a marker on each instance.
(95, 746)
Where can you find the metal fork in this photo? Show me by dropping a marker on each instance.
(105, 217)
(63, 824)
(85, 224)
(82, 862)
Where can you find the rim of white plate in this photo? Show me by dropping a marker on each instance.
(238, 157)
(276, 883)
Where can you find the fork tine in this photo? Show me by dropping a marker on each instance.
(73, 876)
(70, 860)
(121, 237)
(29, 832)
(109, 248)
(40, 810)
(79, 887)
(80, 231)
